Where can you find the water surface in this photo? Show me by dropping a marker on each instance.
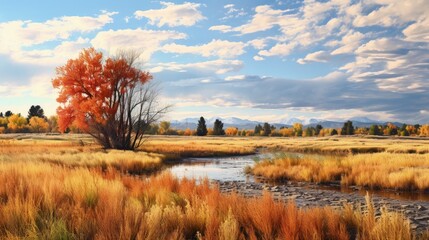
(232, 169)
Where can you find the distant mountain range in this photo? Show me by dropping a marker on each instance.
(249, 124)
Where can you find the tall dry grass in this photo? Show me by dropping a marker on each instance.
(72, 153)
(44, 201)
(208, 145)
(376, 171)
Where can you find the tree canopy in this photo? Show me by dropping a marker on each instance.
(107, 98)
(35, 111)
(218, 128)
(202, 127)
(348, 128)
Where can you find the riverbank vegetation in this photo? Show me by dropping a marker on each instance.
(41, 200)
(68, 187)
(408, 172)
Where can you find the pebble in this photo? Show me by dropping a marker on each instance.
(307, 195)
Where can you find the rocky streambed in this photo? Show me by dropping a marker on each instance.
(228, 173)
(311, 195)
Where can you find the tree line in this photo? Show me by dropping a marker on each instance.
(35, 122)
(296, 130)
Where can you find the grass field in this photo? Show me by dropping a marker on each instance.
(45, 201)
(385, 170)
(67, 187)
(244, 145)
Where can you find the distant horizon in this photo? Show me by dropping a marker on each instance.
(305, 121)
(257, 60)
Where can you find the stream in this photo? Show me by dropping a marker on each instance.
(228, 173)
(231, 169)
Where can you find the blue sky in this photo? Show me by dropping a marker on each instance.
(260, 60)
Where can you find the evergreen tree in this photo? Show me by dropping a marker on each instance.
(334, 132)
(267, 129)
(309, 131)
(35, 111)
(8, 113)
(318, 129)
(348, 128)
(374, 130)
(202, 128)
(218, 128)
(258, 129)
(1, 114)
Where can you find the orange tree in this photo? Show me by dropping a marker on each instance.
(111, 98)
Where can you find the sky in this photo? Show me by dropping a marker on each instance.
(257, 60)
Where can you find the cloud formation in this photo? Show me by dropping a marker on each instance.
(173, 15)
(218, 48)
(145, 42)
(323, 56)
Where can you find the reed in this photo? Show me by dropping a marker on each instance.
(409, 172)
(41, 200)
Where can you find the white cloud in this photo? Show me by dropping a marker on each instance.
(280, 49)
(264, 19)
(218, 48)
(17, 34)
(221, 28)
(319, 56)
(349, 43)
(258, 43)
(258, 58)
(235, 78)
(419, 31)
(186, 14)
(233, 12)
(145, 41)
(51, 57)
(392, 13)
(393, 65)
(206, 68)
(297, 29)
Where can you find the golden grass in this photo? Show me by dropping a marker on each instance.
(72, 153)
(193, 146)
(176, 147)
(376, 171)
(45, 201)
(190, 145)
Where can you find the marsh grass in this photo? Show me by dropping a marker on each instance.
(188, 146)
(45, 201)
(407, 172)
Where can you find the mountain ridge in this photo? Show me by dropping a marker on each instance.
(250, 124)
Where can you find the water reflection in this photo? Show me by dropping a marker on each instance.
(221, 169)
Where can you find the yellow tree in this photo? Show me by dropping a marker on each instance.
(286, 132)
(38, 125)
(231, 131)
(424, 130)
(164, 127)
(3, 124)
(411, 129)
(188, 132)
(16, 122)
(297, 127)
(53, 124)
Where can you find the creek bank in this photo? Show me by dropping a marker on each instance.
(310, 195)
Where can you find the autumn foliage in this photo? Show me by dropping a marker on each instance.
(108, 99)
